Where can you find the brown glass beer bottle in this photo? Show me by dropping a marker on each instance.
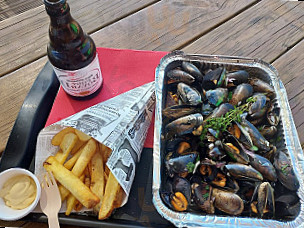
(72, 52)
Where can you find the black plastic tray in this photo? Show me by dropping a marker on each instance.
(20, 152)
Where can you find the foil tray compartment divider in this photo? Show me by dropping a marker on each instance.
(291, 141)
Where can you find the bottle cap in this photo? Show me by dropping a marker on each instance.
(56, 7)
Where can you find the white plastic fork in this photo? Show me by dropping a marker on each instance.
(50, 200)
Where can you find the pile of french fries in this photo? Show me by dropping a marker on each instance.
(80, 168)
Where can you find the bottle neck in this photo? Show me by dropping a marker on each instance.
(61, 20)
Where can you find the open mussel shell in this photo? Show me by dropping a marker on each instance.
(227, 202)
(273, 115)
(253, 135)
(181, 164)
(263, 200)
(268, 131)
(182, 185)
(285, 171)
(212, 174)
(234, 150)
(214, 78)
(202, 196)
(176, 193)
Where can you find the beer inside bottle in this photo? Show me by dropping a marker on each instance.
(72, 52)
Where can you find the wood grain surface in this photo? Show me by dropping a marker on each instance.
(12, 8)
(25, 36)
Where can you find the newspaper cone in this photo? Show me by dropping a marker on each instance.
(121, 123)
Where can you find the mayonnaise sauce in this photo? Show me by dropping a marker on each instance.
(19, 192)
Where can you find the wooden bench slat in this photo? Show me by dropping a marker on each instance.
(278, 26)
(168, 25)
(25, 36)
(163, 21)
(290, 67)
(12, 8)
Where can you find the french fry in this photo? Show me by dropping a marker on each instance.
(56, 140)
(59, 155)
(120, 196)
(112, 191)
(87, 182)
(66, 145)
(71, 162)
(63, 192)
(72, 201)
(84, 158)
(97, 178)
(71, 182)
(78, 145)
(82, 136)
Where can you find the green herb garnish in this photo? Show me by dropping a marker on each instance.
(223, 122)
(284, 169)
(206, 195)
(190, 167)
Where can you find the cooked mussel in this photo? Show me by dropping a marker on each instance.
(214, 78)
(183, 125)
(259, 107)
(289, 206)
(243, 172)
(241, 93)
(285, 171)
(236, 78)
(221, 110)
(273, 115)
(253, 135)
(178, 75)
(263, 200)
(182, 164)
(192, 69)
(217, 96)
(227, 202)
(188, 94)
(234, 150)
(262, 87)
(177, 111)
(262, 165)
(202, 196)
(268, 131)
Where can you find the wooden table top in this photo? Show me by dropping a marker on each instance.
(266, 29)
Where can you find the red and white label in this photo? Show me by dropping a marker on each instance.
(81, 82)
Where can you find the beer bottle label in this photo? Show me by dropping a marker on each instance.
(81, 82)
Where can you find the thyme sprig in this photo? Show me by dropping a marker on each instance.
(223, 122)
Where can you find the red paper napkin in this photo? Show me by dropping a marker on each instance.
(122, 70)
